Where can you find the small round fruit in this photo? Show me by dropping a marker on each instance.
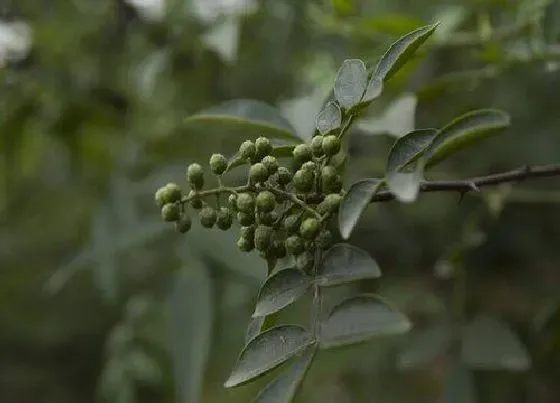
(265, 201)
(232, 201)
(304, 261)
(317, 146)
(271, 164)
(158, 196)
(196, 200)
(309, 228)
(224, 219)
(309, 166)
(245, 245)
(294, 245)
(218, 164)
(171, 193)
(171, 212)
(263, 147)
(247, 232)
(263, 237)
(328, 177)
(302, 153)
(195, 176)
(208, 217)
(324, 240)
(268, 218)
(303, 180)
(184, 224)
(247, 150)
(245, 203)
(258, 173)
(284, 176)
(331, 145)
(245, 218)
(292, 223)
(333, 200)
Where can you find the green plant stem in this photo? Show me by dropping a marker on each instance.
(217, 191)
(316, 307)
(294, 199)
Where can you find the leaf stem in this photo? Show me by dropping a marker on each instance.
(294, 199)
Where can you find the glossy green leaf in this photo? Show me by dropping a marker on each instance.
(489, 343)
(354, 203)
(254, 328)
(345, 263)
(359, 319)
(268, 350)
(350, 83)
(425, 346)
(284, 388)
(408, 148)
(373, 90)
(458, 384)
(405, 186)
(401, 51)
(330, 118)
(190, 329)
(280, 290)
(244, 115)
(464, 131)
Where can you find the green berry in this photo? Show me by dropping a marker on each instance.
(294, 245)
(263, 147)
(309, 228)
(245, 203)
(331, 145)
(195, 176)
(271, 164)
(224, 218)
(263, 237)
(303, 180)
(218, 164)
(232, 201)
(245, 218)
(324, 240)
(245, 245)
(258, 173)
(247, 150)
(247, 232)
(304, 261)
(333, 200)
(292, 223)
(208, 217)
(309, 166)
(184, 224)
(196, 200)
(158, 196)
(268, 218)
(171, 212)
(328, 177)
(284, 176)
(302, 153)
(171, 193)
(317, 146)
(265, 201)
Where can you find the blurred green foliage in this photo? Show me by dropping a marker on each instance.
(100, 301)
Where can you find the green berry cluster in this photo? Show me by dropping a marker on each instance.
(282, 210)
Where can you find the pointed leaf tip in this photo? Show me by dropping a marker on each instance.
(354, 203)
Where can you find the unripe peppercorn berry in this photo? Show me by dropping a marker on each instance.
(302, 153)
(170, 212)
(245, 218)
(208, 217)
(268, 218)
(232, 201)
(284, 176)
(328, 177)
(245, 203)
(304, 261)
(184, 224)
(247, 150)
(294, 245)
(292, 223)
(224, 219)
(218, 164)
(333, 201)
(158, 196)
(309, 166)
(195, 176)
(263, 237)
(309, 228)
(317, 146)
(196, 200)
(331, 145)
(271, 164)
(324, 240)
(303, 180)
(258, 173)
(265, 201)
(171, 193)
(245, 245)
(263, 147)
(247, 232)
